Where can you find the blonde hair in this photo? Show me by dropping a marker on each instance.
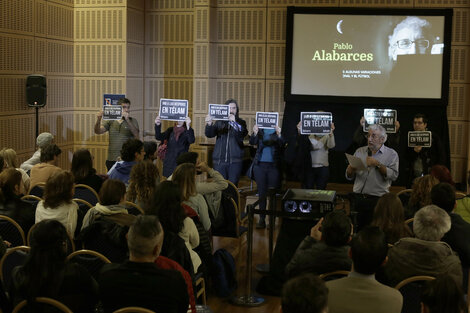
(143, 180)
(185, 176)
(9, 157)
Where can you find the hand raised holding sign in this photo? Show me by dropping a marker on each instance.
(158, 121)
(255, 130)
(299, 126)
(278, 130)
(188, 122)
(208, 119)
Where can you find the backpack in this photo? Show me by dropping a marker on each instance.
(161, 150)
(224, 278)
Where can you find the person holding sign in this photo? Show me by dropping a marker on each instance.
(421, 159)
(373, 169)
(178, 139)
(119, 131)
(266, 163)
(228, 151)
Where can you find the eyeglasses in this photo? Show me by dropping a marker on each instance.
(406, 43)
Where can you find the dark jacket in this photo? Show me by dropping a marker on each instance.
(458, 238)
(92, 180)
(229, 144)
(275, 142)
(174, 147)
(20, 211)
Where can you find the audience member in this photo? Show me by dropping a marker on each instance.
(47, 274)
(178, 139)
(442, 173)
(9, 157)
(425, 254)
(48, 165)
(421, 194)
(139, 282)
(442, 295)
(360, 292)
(43, 140)
(2, 163)
(57, 203)
(132, 152)
(143, 180)
(304, 294)
(150, 148)
(389, 216)
(458, 237)
(185, 176)
(83, 171)
(120, 131)
(325, 249)
(11, 204)
(462, 206)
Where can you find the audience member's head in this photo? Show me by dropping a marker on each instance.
(9, 157)
(44, 139)
(58, 189)
(185, 176)
(82, 164)
(304, 294)
(336, 229)
(112, 192)
(442, 173)
(143, 180)
(150, 148)
(442, 295)
(50, 153)
(187, 157)
(431, 223)
(389, 215)
(421, 194)
(145, 238)
(443, 195)
(132, 150)
(10, 181)
(368, 250)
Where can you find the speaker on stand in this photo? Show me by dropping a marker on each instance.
(36, 94)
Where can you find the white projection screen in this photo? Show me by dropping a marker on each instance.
(366, 55)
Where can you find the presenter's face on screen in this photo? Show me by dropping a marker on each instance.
(233, 108)
(410, 37)
(419, 124)
(375, 140)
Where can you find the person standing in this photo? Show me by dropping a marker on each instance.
(228, 151)
(119, 131)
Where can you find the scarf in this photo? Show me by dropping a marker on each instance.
(178, 131)
(100, 209)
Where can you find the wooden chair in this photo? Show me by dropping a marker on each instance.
(70, 243)
(11, 231)
(459, 195)
(85, 192)
(404, 196)
(133, 208)
(31, 199)
(83, 205)
(37, 190)
(411, 289)
(409, 221)
(334, 275)
(43, 301)
(134, 309)
(404, 191)
(12, 258)
(93, 261)
(201, 289)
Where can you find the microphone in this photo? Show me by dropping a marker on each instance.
(369, 152)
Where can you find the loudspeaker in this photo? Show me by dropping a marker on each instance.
(308, 203)
(36, 90)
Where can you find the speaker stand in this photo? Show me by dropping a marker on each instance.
(37, 122)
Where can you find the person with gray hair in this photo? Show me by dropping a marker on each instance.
(43, 140)
(425, 254)
(139, 282)
(410, 36)
(374, 179)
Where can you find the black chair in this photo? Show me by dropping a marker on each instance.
(334, 275)
(86, 193)
(93, 261)
(37, 190)
(133, 309)
(11, 231)
(32, 199)
(133, 208)
(13, 257)
(411, 289)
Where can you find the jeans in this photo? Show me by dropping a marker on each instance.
(230, 171)
(266, 176)
(317, 178)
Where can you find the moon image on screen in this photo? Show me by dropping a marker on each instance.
(338, 27)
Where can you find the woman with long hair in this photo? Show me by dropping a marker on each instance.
(83, 171)
(57, 203)
(142, 182)
(10, 161)
(11, 203)
(389, 215)
(442, 173)
(46, 274)
(178, 139)
(185, 176)
(421, 194)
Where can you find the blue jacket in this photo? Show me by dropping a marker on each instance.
(174, 148)
(229, 144)
(121, 170)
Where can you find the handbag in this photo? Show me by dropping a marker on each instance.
(161, 150)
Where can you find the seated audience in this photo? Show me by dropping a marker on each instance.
(9, 157)
(324, 250)
(143, 180)
(10, 203)
(389, 216)
(150, 148)
(442, 173)
(421, 194)
(185, 177)
(139, 282)
(47, 274)
(57, 203)
(43, 140)
(360, 292)
(462, 206)
(304, 294)
(83, 171)
(48, 165)
(132, 152)
(425, 254)
(458, 237)
(442, 295)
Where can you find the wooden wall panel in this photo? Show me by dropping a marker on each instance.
(17, 17)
